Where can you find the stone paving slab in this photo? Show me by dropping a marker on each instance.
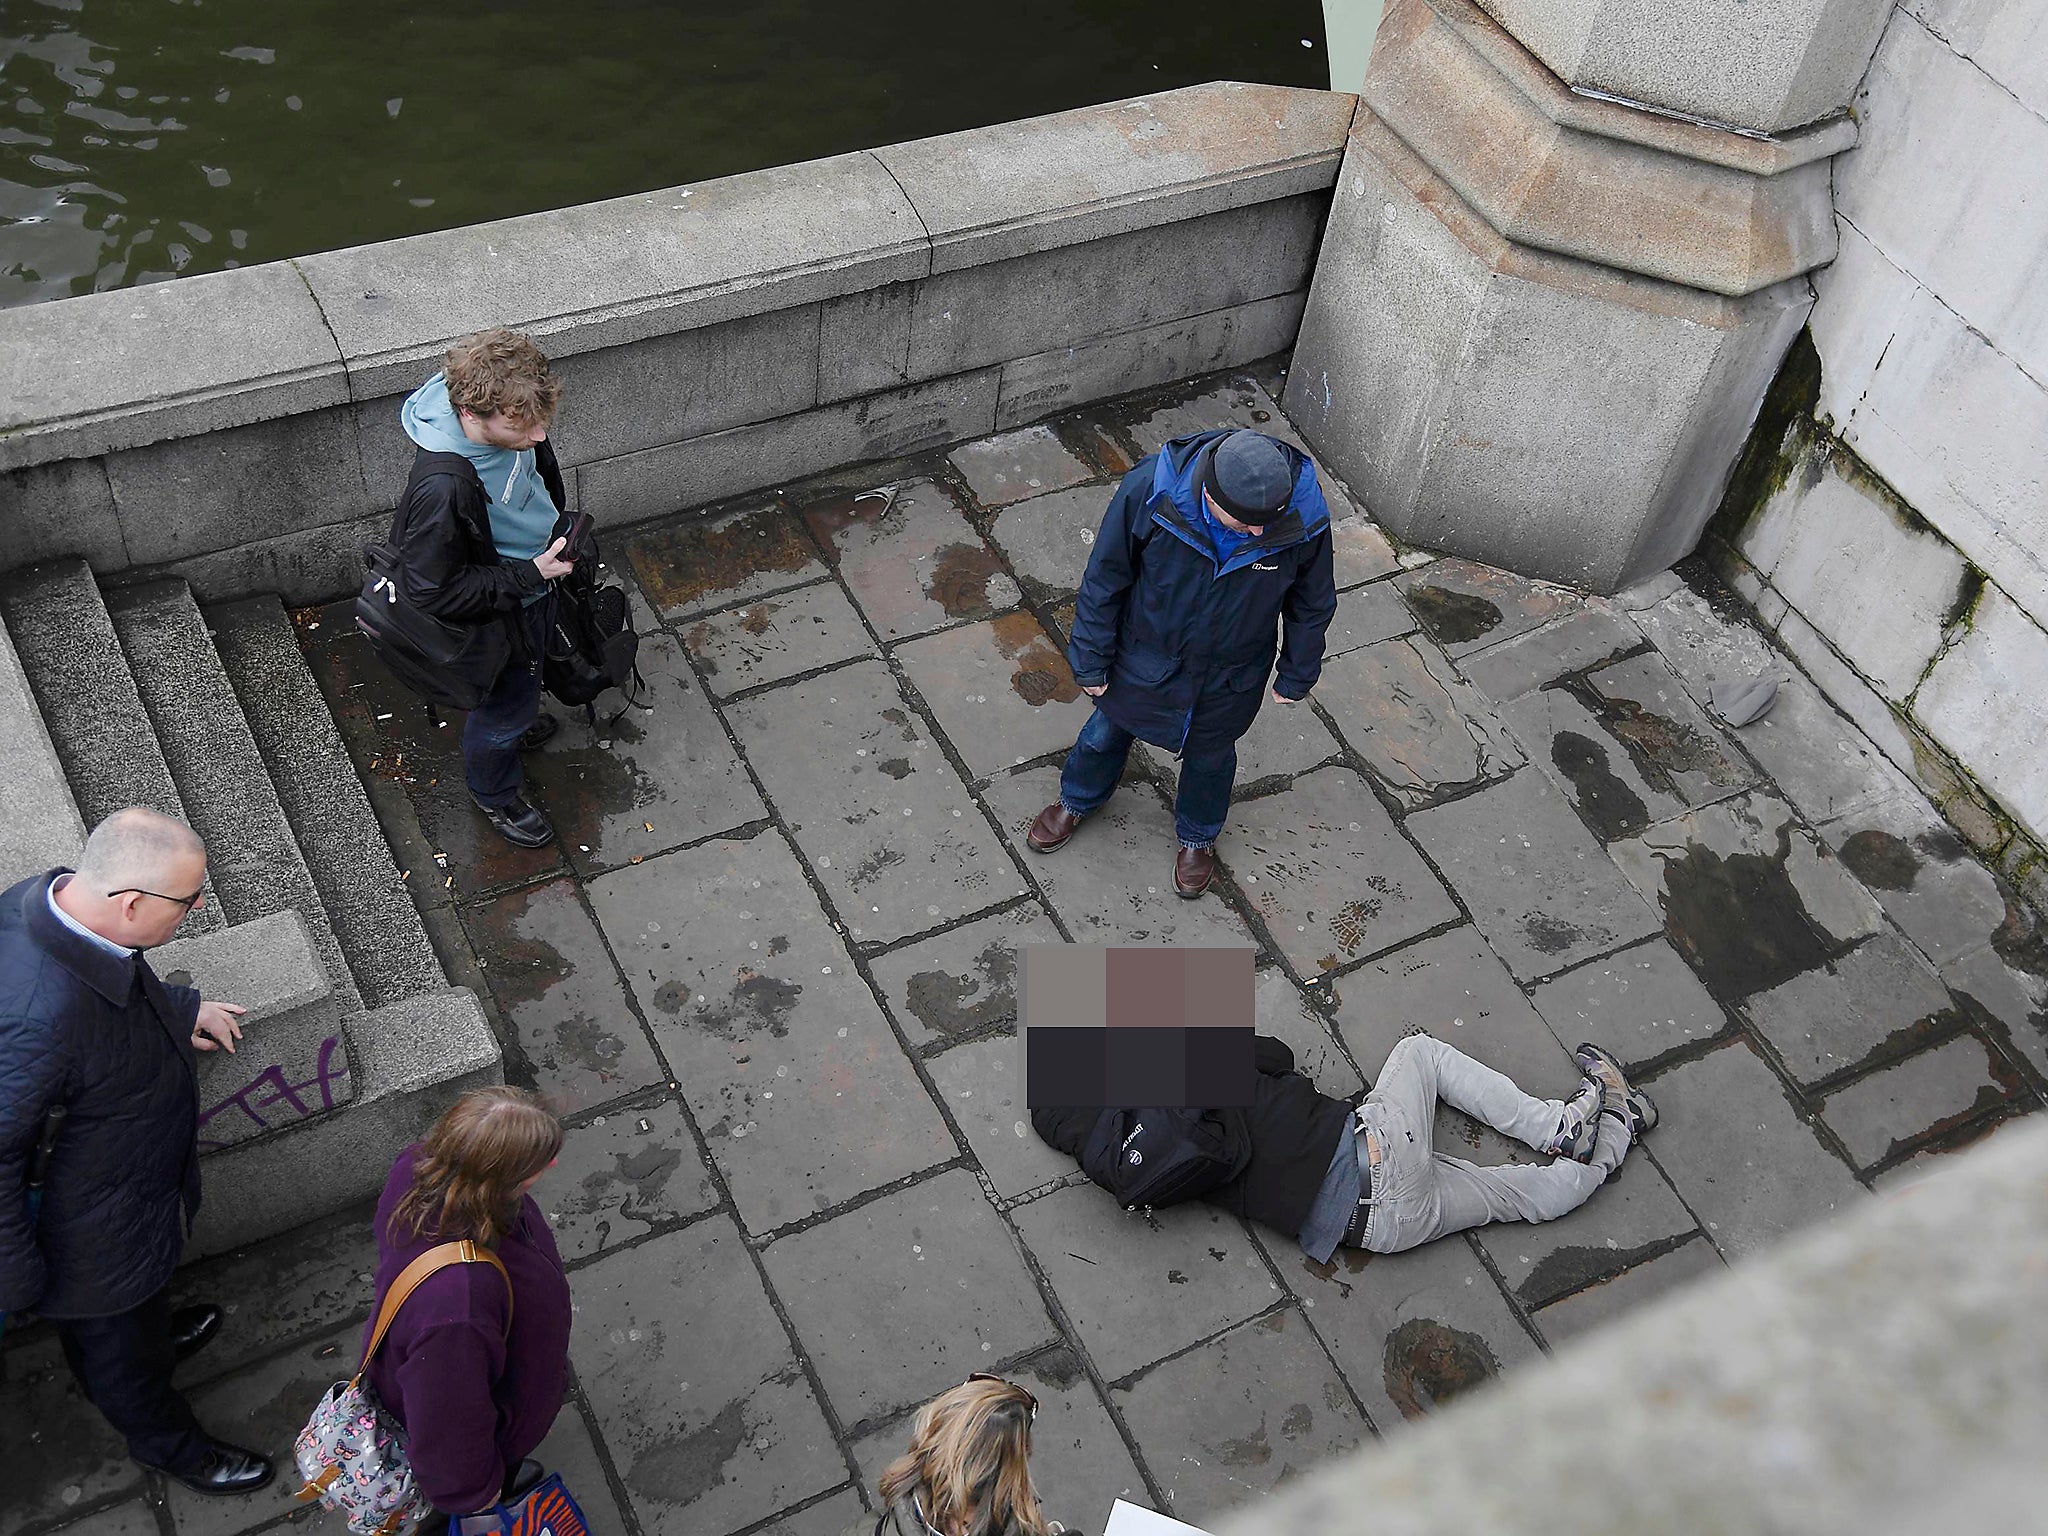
(1629, 1219)
(693, 565)
(1113, 884)
(1885, 1114)
(649, 780)
(1578, 752)
(1644, 707)
(1739, 1155)
(1464, 605)
(1238, 402)
(281, 1291)
(59, 1453)
(777, 638)
(982, 1084)
(622, 1175)
(1921, 873)
(963, 980)
(705, 1439)
(1324, 867)
(1284, 740)
(1283, 1014)
(897, 843)
(1138, 1286)
(1359, 552)
(1001, 690)
(913, 564)
(571, 1450)
(1048, 539)
(562, 999)
(1640, 1004)
(751, 994)
(1241, 1416)
(1015, 465)
(135, 1518)
(828, 1517)
(1598, 1305)
(1364, 617)
(1539, 887)
(2009, 998)
(899, 1299)
(1594, 634)
(1881, 997)
(1422, 731)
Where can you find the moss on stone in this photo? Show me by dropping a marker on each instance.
(1784, 428)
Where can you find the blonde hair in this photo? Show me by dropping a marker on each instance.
(500, 370)
(466, 1178)
(968, 1463)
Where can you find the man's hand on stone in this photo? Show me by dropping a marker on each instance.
(217, 1029)
(549, 562)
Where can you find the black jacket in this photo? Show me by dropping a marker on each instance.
(442, 532)
(102, 1036)
(1294, 1130)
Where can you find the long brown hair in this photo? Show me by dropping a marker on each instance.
(466, 1178)
(968, 1462)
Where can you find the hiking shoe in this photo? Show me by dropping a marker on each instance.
(1638, 1113)
(1602, 1066)
(522, 825)
(542, 730)
(1578, 1126)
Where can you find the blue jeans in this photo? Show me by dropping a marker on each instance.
(490, 736)
(1097, 762)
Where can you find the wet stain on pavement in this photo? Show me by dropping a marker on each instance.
(589, 1044)
(1880, 860)
(1548, 935)
(1428, 1363)
(1059, 1369)
(1452, 617)
(959, 578)
(685, 1469)
(1739, 918)
(1608, 805)
(1039, 673)
(1299, 1420)
(1664, 748)
(691, 562)
(1252, 1450)
(896, 767)
(757, 1002)
(1567, 1269)
(935, 998)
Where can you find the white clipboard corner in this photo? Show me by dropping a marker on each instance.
(1136, 1520)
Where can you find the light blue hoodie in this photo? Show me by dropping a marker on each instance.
(522, 512)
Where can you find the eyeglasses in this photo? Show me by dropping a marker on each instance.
(187, 902)
(1029, 1400)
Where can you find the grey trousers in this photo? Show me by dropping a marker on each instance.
(1419, 1194)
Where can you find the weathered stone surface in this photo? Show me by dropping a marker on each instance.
(863, 339)
(1250, 1411)
(62, 509)
(1284, 740)
(1739, 1155)
(1536, 884)
(1364, 617)
(1922, 874)
(1843, 684)
(306, 1283)
(688, 567)
(1048, 538)
(43, 830)
(1138, 1287)
(704, 1439)
(1582, 639)
(982, 1084)
(60, 1452)
(1283, 1013)
(1640, 1004)
(1465, 605)
(1996, 730)
(962, 981)
(829, 1516)
(750, 993)
(1647, 710)
(1239, 401)
(1422, 730)
(1017, 465)
(625, 1173)
(1748, 896)
(1631, 1216)
(571, 1450)
(897, 843)
(1924, 1096)
(1602, 1303)
(135, 1518)
(1001, 689)
(1322, 864)
(912, 563)
(1359, 552)
(776, 638)
(2008, 996)
(943, 1291)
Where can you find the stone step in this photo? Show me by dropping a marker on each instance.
(89, 704)
(254, 860)
(41, 828)
(411, 1060)
(371, 909)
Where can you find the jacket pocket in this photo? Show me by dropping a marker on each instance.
(1244, 676)
(1146, 669)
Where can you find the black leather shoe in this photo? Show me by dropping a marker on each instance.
(520, 823)
(193, 1328)
(542, 730)
(227, 1469)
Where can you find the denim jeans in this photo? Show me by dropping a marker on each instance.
(490, 736)
(1097, 762)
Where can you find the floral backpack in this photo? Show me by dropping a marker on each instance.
(352, 1451)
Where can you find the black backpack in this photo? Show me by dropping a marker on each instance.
(591, 644)
(1159, 1157)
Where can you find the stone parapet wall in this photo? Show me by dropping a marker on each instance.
(240, 429)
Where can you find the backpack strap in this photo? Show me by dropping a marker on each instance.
(425, 465)
(436, 1258)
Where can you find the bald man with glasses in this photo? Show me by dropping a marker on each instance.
(98, 1088)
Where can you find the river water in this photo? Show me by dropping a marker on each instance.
(147, 139)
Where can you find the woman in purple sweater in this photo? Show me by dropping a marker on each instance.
(475, 1396)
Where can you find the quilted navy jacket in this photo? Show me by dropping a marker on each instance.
(101, 1035)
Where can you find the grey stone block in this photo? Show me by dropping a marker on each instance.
(1365, 617)
(1527, 662)
(1881, 997)
(1632, 1215)
(1922, 874)
(1467, 606)
(2010, 998)
(315, 565)
(42, 829)
(912, 561)
(1001, 690)
(992, 193)
(267, 965)
(981, 1085)
(61, 508)
(1000, 470)
(1922, 1097)
(1996, 730)
(623, 1174)
(963, 980)
(1360, 552)
(690, 567)
(1401, 706)
(604, 274)
(1048, 538)
(139, 365)
(829, 1516)
(1641, 1004)
(864, 342)
(777, 638)
(1238, 401)
(1602, 1303)
(61, 1452)
(306, 1282)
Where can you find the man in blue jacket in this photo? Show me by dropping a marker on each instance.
(86, 1025)
(1211, 550)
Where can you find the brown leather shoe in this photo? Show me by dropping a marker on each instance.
(1193, 869)
(1051, 828)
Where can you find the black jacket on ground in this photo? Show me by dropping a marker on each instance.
(102, 1036)
(1293, 1126)
(442, 532)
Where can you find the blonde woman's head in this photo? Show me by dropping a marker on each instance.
(968, 1462)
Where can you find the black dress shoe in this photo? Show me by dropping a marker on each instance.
(227, 1469)
(542, 730)
(193, 1328)
(520, 824)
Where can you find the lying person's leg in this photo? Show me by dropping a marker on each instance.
(1494, 1097)
(1471, 1196)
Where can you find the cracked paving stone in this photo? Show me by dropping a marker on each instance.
(1538, 886)
(1139, 1285)
(1324, 867)
(1238, 402)
(1918, 1099)
(622, 1175)
(2007, 993)
(777, 638)
(1749, 897)
(1359, 552)
(828, 1517)
(899, 1299)
(706, 1412)
(1739, 1155)
(1922, 874)
(1284, 740)
(916, 564)
(58, 1451)
(280, 1290)
(689, 566)
(1584, 639)
(791, 1072)
(1933, 1159)
(982, 1083)
(1001, 690)
(1633, 1213)
(1017, 465)
(1048, 539)
(1113, 883)
(135, 1518)
(1640, 1004)
(1880, 998)
(873, 803)
(643, 782)
(1241, 1417)
(1464, 605)
(961, 981)
(1598, 1305)
(561, 997)
(1283, 1013)
(1365, 617)
(1417, 725)
(1644, 707)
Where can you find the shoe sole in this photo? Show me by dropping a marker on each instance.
(1037, 847)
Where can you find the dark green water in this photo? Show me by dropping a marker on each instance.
(146, 139)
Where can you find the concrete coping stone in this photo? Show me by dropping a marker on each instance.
(269, 966)
(1010, 189)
